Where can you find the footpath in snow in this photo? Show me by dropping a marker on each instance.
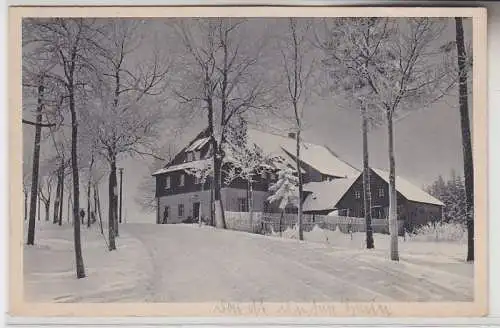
(186, 263)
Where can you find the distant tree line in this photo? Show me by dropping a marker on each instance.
(452, 193)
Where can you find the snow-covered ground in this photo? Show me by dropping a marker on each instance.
(50, 274)
(186, 263)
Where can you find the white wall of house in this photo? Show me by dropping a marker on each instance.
(230, 198)
(187, 200)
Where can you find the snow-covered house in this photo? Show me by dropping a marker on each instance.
(181, 195)
(330, 184)
(415, 206)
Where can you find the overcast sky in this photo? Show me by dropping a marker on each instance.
(427, 142)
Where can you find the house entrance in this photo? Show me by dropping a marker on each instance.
(196, 210)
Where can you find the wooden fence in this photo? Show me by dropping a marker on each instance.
(267, 222)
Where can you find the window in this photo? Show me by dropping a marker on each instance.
(181, 180)
(167, 182)
(242, 205)
(381, 192)
(357, 194)
(197, 155)
(180, 210)
(326, 178)
(263, 175)
(197, 179)
(189, 156)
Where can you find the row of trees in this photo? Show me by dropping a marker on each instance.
(386, 67)
(85, 84)
(89, 80)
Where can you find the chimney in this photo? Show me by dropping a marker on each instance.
(291, 135)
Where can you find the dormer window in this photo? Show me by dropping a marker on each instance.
(189, 156)
(181, 180)
(197, 155)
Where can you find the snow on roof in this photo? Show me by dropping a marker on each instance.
(325, 195)
(317, 156)
(183, 166)
(198, 144)
(409, 190)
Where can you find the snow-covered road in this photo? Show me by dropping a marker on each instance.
(205, 264)
(186, 263)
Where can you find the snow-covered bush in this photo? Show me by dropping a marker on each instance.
(445, 231)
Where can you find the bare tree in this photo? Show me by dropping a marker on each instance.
(407, 70)
(298, 76)
(36, 65)
(463, 68)
(89, 186)
(127, 112)
(68, 43)
(45, 195)
(219, 76)
(36, 160)
(347, 61)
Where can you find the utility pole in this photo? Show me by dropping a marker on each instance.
(121, 183)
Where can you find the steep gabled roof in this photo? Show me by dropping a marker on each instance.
(183, 166)
(409, 190)
(325, 195)
(198, 144)
(316, 156)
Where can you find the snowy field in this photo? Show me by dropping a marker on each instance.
(186, 263)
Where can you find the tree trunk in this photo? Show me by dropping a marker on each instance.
(157, 210)
(250, 204)
(39, 214)
(121, 186)
(220, 221)
(80, 269)
(68, 215)
(367, 198)
(212, 202)
(25, 205)
(89, 182)
(393, 217)
(36, 160)
(112, 207)
(299, 207)
(47, 210)
(57, 200)
(88, 205)
(199, 210)
(281, 221)
(466, 138)
(97, 203)
(61, 205)
(115, 204)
